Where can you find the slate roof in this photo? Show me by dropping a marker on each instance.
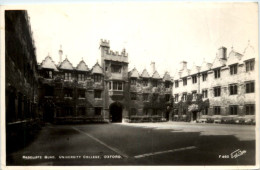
(97, 69)
(82, 66)
(66, 64)
(145, 74)
(48, 63)
(134, 73)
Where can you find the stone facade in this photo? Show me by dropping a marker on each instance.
(227, 84)
(105, 93)
(21, 80)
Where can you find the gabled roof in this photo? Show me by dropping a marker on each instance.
(156, 75)
(66, 64)
(218, 62)
(82, 66)
(166, 77)
(97, 69)
(48, 63)
(234, 57)
(145, 74)
(205, 66)
(185, 72)
(177, 75)
(194, 70)
(249, 53)
(134, 73)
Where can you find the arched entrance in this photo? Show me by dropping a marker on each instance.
(115, 111)
(48, 111)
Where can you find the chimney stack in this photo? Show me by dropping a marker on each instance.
(60, 53)
(183, 65)
(153, 67)
(222, 53)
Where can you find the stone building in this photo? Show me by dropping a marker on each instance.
(227, 84)
(105, 93)
(21, 78)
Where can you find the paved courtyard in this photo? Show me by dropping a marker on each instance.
(169, 143)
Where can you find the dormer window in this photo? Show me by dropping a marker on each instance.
(145, 82)
(233, 69)
(184, 81)
(116, 68)
(167, 84)
(81, 77)
(67, 76)
(217, 73)
(204, 76)
(155, 83)
(194, 79)
(48, 74)
(97, 77)
(133, 81)
(250, 65)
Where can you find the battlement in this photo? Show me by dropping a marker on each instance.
(105, 43)
(116, 53)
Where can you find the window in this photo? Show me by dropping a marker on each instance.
(81, 94)
(204, 76)
(145, 111)
(176, 97)
(217, 110)
(133, 111)
(97, 77)
(47, 74)
(68, 92)
(233, 109)
(184, 81)
(49, 90)
(133, 96)
(205, 111)
(116, 85)
(145, 97)
(204, 93)
(133, 81)
(250, 109)
(233, 69)
(155, 96)
(184, 96)
(67, 76)
(167, 97)
(232, 89)
(68, 111)
(97, 94)
(217, 73)
(110, 85)
(98, 111)
(154, 111)
(116, 68)
(194, 95)
(250, 87)
(81, 111)
(184, 111)
(155, 83)
(194, 79)
(250, 65)
(176, 83)
(81, 77)
(145, 82)
(167, 84)
(217, 91)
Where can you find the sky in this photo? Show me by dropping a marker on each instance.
(164, 32)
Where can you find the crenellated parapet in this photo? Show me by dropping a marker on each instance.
(104, 43)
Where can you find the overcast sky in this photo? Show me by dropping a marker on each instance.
(166, 33)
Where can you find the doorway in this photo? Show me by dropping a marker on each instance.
(115, 110)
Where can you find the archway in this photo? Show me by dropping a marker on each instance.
(115, 111)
